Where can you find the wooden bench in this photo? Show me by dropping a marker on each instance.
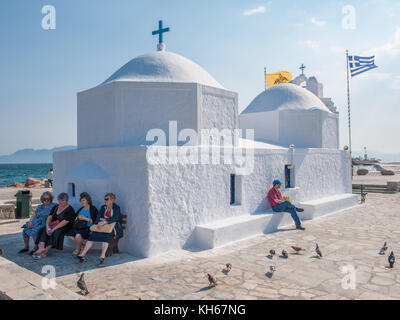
(113, 246)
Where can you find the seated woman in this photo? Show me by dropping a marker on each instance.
(58, 223)
(86, 216)
(109, 213)
(37, 220)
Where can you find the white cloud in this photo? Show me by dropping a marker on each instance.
(337, 49)
(312, 44)
(396, 83)
(374, 75)
(260, 9)
(392, 79)
(391, 48)
(318, 22)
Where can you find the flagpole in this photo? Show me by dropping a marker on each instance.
(265, 78)
(348, 108)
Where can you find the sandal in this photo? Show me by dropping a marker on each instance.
(81, 259)
(76, 252)
(38, 257)
(101, 260)
(23, 250)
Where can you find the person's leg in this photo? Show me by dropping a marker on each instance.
(26, 242)
(279, 207)
(88, 245)
(36, 245)
(290, 208)
(42, 241)
(104, 247)
(79, 243)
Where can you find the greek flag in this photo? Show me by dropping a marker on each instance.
(361, 64)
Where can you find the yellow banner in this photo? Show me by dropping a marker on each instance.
(277, 78)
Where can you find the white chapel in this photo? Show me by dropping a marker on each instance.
(174, 205)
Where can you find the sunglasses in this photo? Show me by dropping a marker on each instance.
(106, 199)
(46, 199)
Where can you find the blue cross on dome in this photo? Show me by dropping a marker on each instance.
(160, 31)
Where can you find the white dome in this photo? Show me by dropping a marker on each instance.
(285, 96)
(163, 66)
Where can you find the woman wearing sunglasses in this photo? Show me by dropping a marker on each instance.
(37, 220)
(109, 215)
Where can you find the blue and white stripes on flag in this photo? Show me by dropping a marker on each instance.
(361, 64)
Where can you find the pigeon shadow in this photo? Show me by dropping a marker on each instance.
(296, 254)
(315, 257)
(270, 256)
(283, 257)
(388, 267)
(205, 289)
(225, 272)
(269, 275)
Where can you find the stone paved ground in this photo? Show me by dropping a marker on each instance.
(9, 193)
(349, 238)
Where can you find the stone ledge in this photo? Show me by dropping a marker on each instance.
(322, 206)
(211, 235)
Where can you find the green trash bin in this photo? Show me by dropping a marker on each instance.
(23, 208)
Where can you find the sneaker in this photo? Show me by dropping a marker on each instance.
(299, 209)
(300, 228)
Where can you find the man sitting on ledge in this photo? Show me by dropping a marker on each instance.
(279, 204)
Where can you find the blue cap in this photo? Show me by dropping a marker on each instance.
(277, 182)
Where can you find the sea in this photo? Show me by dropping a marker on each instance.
(10, 173)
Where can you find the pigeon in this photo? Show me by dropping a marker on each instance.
(211, 280)
(318, 251)
(391, 259)
(228, 267)
(297, 249)
(272, 269)
(272, 252)
(285, 254)
(82, 284)
(383, 249)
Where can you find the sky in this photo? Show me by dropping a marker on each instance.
(41, 70)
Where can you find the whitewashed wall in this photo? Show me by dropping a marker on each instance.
(218, 108)
(127, 179)
(265, 124)
(121, 113)
(183, 196)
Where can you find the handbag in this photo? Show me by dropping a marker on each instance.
(79, 224)
(53, 224)
(107, 228)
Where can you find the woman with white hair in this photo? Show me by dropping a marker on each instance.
(37, 220)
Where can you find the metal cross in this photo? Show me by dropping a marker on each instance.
(160, 31)
(302, 67)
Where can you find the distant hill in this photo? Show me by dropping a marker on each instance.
(33, 156)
